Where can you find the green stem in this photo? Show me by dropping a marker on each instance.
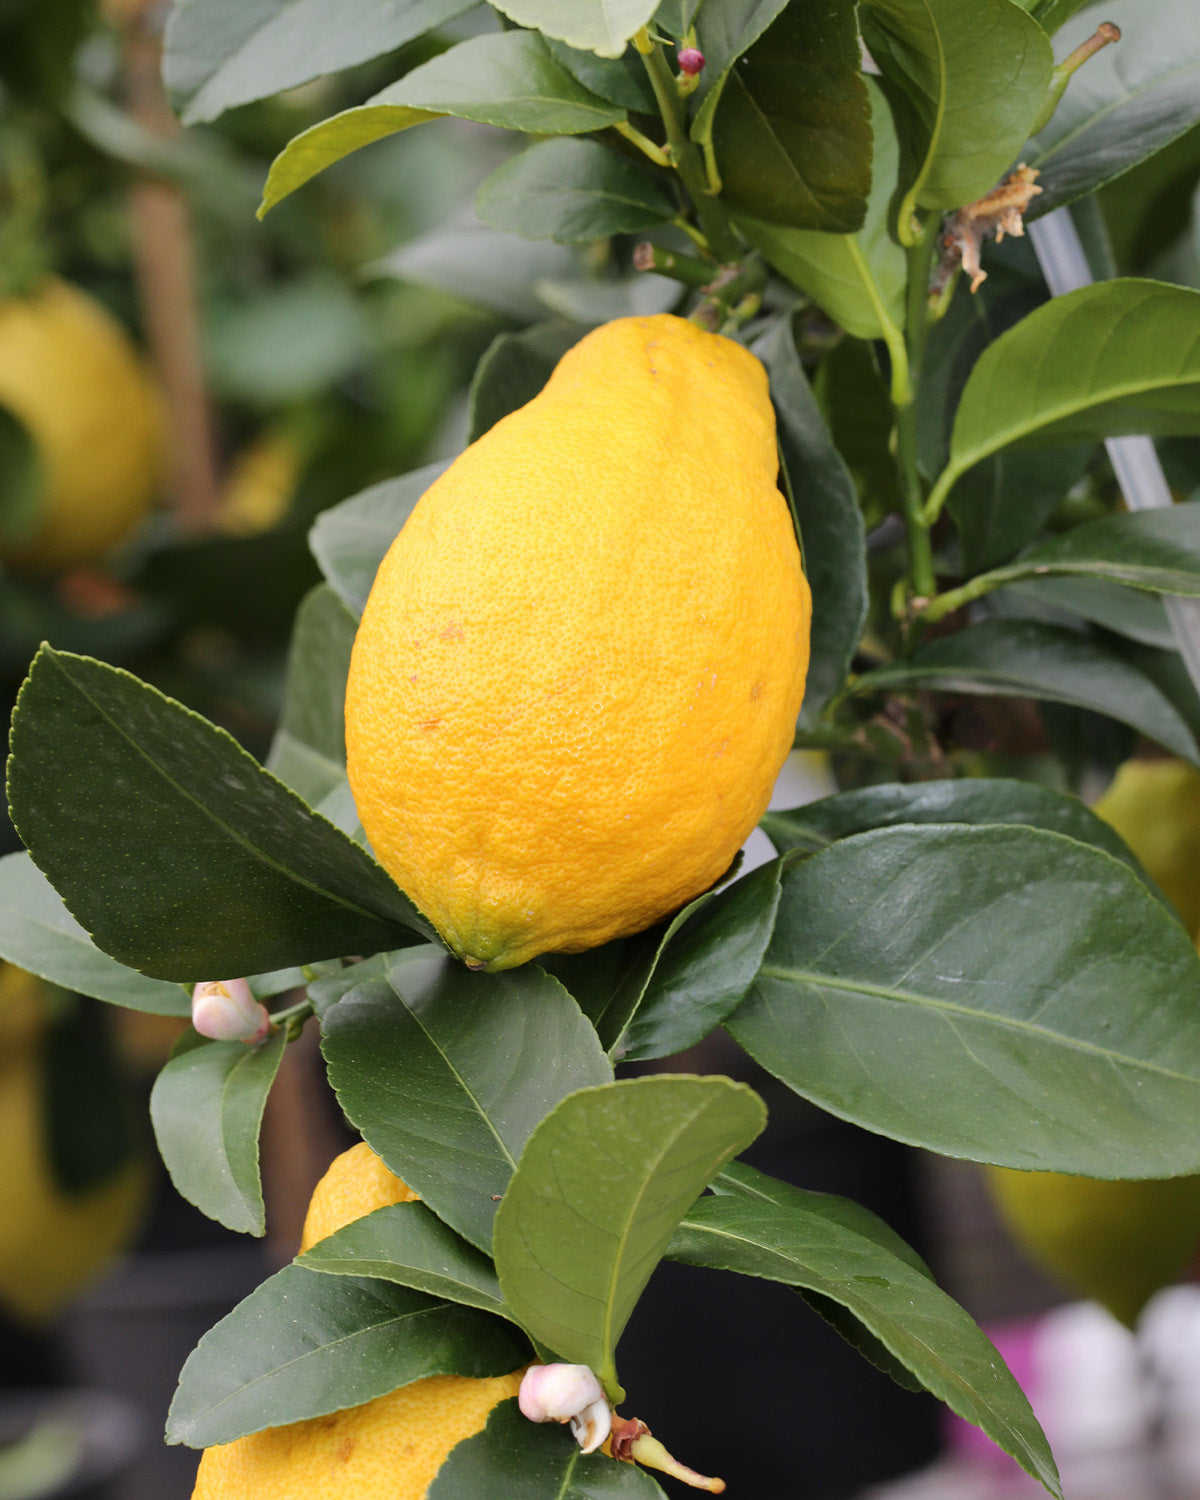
(945, 604)
(916, 527)
(689, 269)
(1105, 33)
(685, 156)
(643, 142)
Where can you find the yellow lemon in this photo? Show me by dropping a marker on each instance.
(70, 374)
(357, 1183)
(580, 665)
(52, 1242)
(386, 1449)
(1120, 1242)
(1155, 806)
(261, 483)
(1116, 1242)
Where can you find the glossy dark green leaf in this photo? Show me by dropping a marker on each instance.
(600, 26)
(514, 370)
(309, 748)
(990, 799)
(1027, 659)
(303, 1344)
(1046, 1018)
(827, 512)
(621, 80)
(802, 1245)
(207, 1108)
(704, 969)
(1129, 612)
(573, 191)
(218, 55)
(1118, 356)
(38, 933)
(446, 1073)
(602, 1183)
(407, 1243)
(1156, 550)
(1124, 104)
(349, 540)
(858, 279)
(675, 16)
(967, 80)
(514, 1458)
(1001, 504)
(724, 33)
(504, 78)
(792, 131)
(173, 847)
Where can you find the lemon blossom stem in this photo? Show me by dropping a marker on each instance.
(684, 154)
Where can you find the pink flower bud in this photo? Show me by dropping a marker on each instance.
(556, 1393)
(690, 60)
(225, 1011)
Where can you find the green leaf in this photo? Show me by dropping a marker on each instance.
(724, 33)
(602, 1184)
(703, 970)
(1118, 356)
(983, 800)
(601, 26)
(857, 280)
(504, 78)
(174, 847)
(487, 269)
(792, 131)
(513, 371)
(309, 748)
(217, 55)
(1003, 503)
(967, 80)
(676, 16)
(803, 1244)
(572, 191)
(1051, 14)
(621, 80)
(514, 1458)
(1124, 104)
(407, 1243)
(302, 1345)
(1047, 1018)
(827, 512)
(38, 933)
(207, 1108)
(349, 540)
(1026, 659)
(446, 1073)
(1155, 550)
(1129, 612)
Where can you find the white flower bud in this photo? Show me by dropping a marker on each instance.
(225, 1011)
(592, 1425)
(557, 1393)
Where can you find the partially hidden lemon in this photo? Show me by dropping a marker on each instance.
(70, 374)
(1120, 1242)
(386, 1449)
(52, 1241)
(580, 665)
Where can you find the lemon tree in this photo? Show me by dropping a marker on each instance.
(786, 444)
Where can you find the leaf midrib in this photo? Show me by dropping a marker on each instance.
(1011, 1023)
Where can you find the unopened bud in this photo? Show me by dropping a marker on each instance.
(567, 1393)
(225, 1011)
(690, 60)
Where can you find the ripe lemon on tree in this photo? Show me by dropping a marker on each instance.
(72, 379)
(579, 668)
(386, 1449)
(1120, 1242)
(52, 1241)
